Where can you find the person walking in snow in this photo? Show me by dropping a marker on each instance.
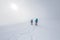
(31, 21)
(36, 21)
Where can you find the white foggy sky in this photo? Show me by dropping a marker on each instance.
(33, 8)
(8, 15)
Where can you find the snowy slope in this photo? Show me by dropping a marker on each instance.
(23, 32)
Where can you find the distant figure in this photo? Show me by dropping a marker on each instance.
(31, 21)
(36, 21)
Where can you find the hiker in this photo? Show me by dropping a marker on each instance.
(36, 21)
(31, 21)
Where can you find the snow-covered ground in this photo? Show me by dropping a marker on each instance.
(23, 32)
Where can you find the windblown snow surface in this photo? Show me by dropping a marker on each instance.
(23, 31)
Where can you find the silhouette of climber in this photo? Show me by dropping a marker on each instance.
(31, 21)
(36, 21)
